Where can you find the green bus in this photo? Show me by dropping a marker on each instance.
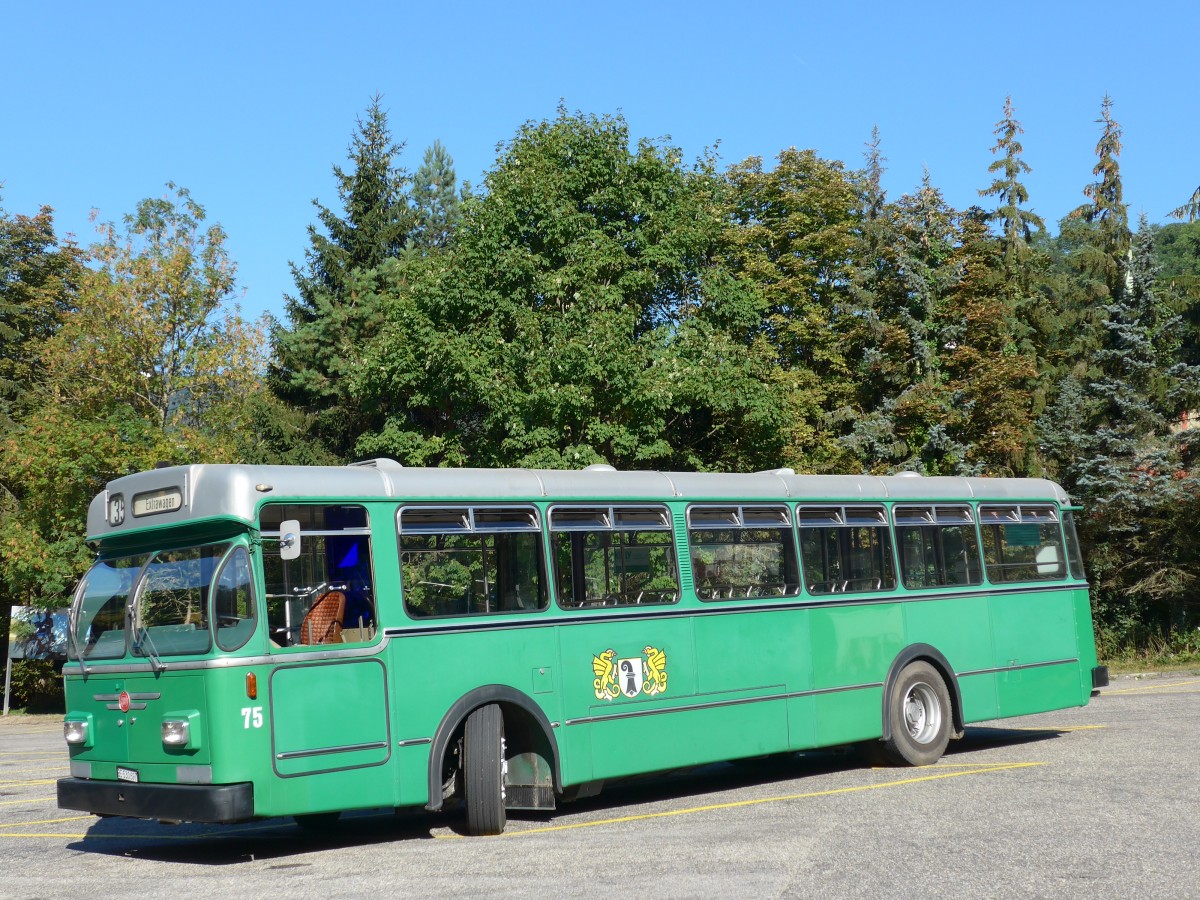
(259, 641)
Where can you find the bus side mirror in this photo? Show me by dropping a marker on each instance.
(289, 539)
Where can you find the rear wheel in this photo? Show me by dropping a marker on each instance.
(919, 715)
(483, 771)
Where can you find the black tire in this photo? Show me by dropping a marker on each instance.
(920, 717)
(318, 822)
(483, 771)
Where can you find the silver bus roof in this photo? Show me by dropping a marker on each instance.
(180, 494)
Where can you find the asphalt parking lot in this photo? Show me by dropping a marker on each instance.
(1102, 801)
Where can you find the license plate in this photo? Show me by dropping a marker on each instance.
(124, 774)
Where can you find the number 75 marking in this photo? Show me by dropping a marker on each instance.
(252, 717)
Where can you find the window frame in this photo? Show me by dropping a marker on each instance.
(290, 506)
(940, 515)
(471, 526)
(848, 516)
(612, 522)
(740, 522)
(1020, 507)
(214, 616)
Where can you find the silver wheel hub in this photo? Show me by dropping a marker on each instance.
(922, 713)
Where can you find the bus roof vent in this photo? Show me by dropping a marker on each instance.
(784, 471)
(599, 467)
(381, 463)
(908, 474)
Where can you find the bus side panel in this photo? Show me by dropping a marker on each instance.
(1085, 636)
(961, 629)
(429, 673)
(689, 737)
(852, 648)
(594, 684)
(761, 653)
(1037, 650)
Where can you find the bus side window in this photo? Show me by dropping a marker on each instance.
(614, 556)
(846, 549)
(335, 555)
(466, 561)
(938, 547)
(742, 552)
(1022, 543)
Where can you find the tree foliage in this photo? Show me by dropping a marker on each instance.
(39, 278)
(567, 322)
(601, 300)
(145, 360)
(332, 316)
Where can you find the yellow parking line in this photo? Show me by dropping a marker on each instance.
(980, 770)
(48, 834)
(31, 800)
(41, 754)
(981, 766)
(41, 781)
(46, 821)
(1152, 688)
(18, 770)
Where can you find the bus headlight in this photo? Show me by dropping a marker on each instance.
(181, 730)
(176, 732)
(78, 732)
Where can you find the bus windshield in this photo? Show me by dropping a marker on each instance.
(100, 607)
(163, 596)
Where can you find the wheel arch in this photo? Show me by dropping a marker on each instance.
(933, 656)
(524, 720)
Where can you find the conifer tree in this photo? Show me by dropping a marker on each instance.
(1107, 212)
(1130, 473)
(1017, 224)
(435, 200)
(989, 378)
(331, 317)
(1189, 210)
(904, 413)
(1094, 245)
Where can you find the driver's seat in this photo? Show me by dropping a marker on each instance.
(323, 623)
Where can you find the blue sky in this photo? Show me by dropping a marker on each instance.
(248, 105)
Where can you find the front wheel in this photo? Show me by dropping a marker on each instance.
(919, 716)
(483, 771)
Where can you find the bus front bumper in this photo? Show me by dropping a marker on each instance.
(214, 803)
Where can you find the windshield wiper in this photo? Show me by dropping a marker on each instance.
(145, 646)
(73, 648)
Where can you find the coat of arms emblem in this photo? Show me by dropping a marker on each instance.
(631, 676)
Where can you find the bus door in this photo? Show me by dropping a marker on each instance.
(327, 699)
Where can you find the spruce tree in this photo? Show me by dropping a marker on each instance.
(1017, 224)
(1106, 212)
(1130, 473)
(1189, 210)
(435, 200)
(331, 317)
(907, 266)
(1093, 249)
